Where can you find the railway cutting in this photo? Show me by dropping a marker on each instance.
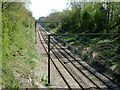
(70, 70)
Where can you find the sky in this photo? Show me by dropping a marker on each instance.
(41, 8)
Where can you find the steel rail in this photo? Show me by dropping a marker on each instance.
(88, 70)
(85, 67)
(54, 63)
(87, 62)
(76, 66)
(64, 66)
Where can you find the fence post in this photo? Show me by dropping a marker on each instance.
(49, 59)
(35, 33)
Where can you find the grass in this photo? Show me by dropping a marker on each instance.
(8, 78)
(31, 63)
(99, 44)
(45, 81)
(103, 45)
(19, 59)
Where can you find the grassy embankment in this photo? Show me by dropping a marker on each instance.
(18, 46)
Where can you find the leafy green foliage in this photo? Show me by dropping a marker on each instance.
(17, 42)
(84, 17)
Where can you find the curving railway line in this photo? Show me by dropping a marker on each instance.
(81, 74)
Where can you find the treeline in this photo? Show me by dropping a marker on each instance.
(97, 17)
(17, 22)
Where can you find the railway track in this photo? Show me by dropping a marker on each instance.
(76, 73)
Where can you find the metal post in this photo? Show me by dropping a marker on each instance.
(49, 59)
(35, 33)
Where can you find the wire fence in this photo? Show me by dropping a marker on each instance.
(91, 48)
(100, 50)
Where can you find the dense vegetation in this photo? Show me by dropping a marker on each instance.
(97, 17)
(87, 18)
(17, 45)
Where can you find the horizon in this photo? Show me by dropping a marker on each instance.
(44, 8)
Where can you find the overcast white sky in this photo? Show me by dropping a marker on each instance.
(43, 7)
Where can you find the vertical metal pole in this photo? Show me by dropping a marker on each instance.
(35, 33)
(49, 59)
